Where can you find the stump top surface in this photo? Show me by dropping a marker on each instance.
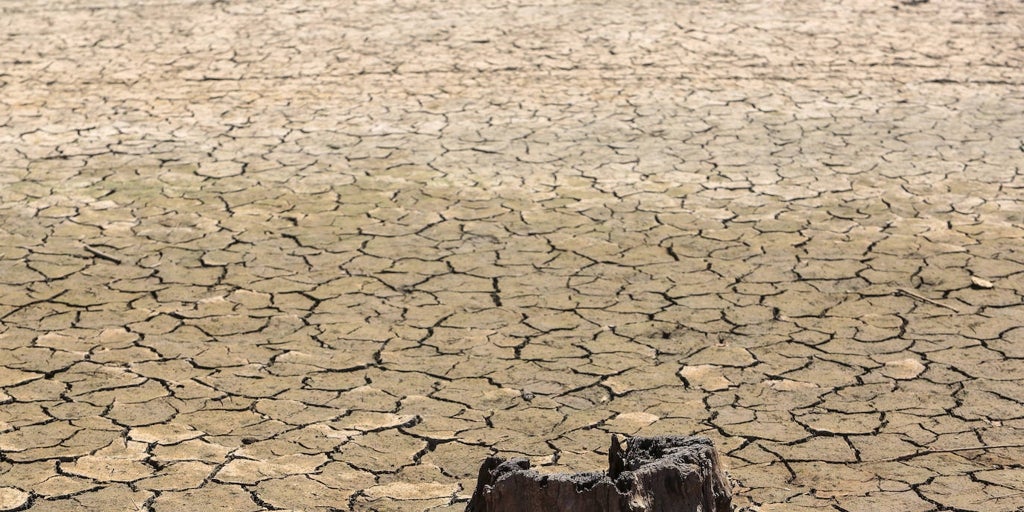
(317, 255)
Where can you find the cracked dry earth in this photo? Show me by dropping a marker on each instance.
(320, 255)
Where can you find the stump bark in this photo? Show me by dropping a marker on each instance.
(652, 474)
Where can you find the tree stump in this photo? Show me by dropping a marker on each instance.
(652, 474)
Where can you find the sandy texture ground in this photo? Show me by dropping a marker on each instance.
(311, 255)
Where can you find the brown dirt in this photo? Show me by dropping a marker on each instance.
(312, 255)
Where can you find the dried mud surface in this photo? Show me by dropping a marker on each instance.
(330, 255)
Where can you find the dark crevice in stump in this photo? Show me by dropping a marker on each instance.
(652, 474)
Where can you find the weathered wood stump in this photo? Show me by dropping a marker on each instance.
(653, 474)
